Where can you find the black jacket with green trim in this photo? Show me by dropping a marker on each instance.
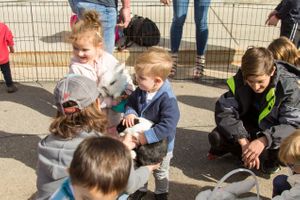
(279, 112)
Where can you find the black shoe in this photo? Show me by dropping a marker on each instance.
(162, 196)
(138, 195)
(270, 167)
(11, 89)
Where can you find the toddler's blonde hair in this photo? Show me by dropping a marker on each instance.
(290, 148)
(154, 62)
(90, 26)
(284, 49)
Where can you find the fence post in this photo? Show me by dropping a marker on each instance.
(231, 38)
(34, 43)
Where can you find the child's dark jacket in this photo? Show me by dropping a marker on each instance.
(279, 110)
(162, 110)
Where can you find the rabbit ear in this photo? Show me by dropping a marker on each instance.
(119, 68)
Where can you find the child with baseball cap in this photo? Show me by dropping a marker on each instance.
(78, 117)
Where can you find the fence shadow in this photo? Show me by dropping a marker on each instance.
(218, 58)
(62, 36)
(191, 147)
(36, 98)
(21, 147)
(207, 103)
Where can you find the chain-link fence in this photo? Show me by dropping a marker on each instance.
(42, 52)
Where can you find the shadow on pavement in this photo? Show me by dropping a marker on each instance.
(190, 151)
(191, 147)
(20, 147)
(206, 103)
(36, 98)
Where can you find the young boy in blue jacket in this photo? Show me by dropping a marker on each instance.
(155, 101)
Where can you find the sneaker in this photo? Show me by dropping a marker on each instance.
(138, 195)
(211, 156)
(11, 89)
(162, 196)
(270, 167)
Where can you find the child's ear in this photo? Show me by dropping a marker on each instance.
(274, 69)
(158, 79)
(100, 46)
(98, 102)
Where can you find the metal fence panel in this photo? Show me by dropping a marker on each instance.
(41, 30)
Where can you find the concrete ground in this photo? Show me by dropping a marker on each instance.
(26, 115)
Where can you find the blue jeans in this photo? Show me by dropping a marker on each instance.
(180, 8)
(108, 18)
(73, 4)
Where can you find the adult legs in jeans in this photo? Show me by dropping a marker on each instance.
(201, 11)
(5, 69)
(180, 8)
(280, 184)
(108, 18)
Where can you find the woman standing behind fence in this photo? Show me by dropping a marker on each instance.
(180, 8)
(288, 11)
(6, 41)
(107, 10)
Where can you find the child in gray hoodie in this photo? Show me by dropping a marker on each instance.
(79, 116)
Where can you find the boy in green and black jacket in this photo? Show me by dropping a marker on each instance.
(261, 108)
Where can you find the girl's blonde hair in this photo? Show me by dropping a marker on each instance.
(69, 125)
(88, 25)
(284, 49)
(290, 148)
(155, 62)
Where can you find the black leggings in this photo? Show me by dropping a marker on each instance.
(291, 31)
(5, 69)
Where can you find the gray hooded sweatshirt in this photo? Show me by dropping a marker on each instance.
(54, 157)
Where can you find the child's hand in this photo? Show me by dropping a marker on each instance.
(153, 167)
(128, 121)
(252, 152)
(125, 16)
(272, 19)
(165, 2)
(11, 49)
(106, 102)
(130, 141)
(142, 138)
